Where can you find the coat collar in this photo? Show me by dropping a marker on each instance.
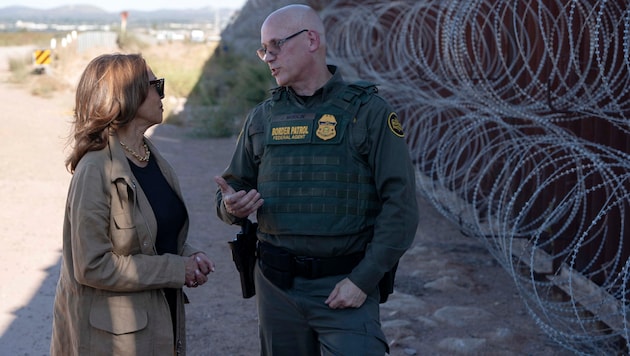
(120, 166)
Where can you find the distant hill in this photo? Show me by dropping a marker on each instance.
(95, 14)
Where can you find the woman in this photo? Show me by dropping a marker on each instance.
(125, 257)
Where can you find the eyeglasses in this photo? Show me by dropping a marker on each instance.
(159, 86)
(275, 46)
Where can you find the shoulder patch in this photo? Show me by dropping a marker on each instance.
(394, 125)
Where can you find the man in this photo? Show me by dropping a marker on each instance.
(325, 167)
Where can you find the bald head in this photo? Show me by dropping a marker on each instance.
(300, 63)
(295, 17)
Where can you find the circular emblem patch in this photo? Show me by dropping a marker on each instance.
(394, 125)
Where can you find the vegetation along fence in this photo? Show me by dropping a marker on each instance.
(517, 115)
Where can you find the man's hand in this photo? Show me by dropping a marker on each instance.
(240, 204)
(346, 295)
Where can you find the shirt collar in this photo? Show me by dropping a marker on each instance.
(330, 88)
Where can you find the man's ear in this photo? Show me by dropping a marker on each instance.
(314, 40)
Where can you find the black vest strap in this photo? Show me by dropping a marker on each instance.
(355, 95)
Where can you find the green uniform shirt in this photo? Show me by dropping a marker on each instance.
(380, 141)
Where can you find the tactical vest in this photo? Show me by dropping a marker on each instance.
(313, 180)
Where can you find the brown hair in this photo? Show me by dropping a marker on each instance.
(108, 95)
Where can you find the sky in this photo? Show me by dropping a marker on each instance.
(120, 5)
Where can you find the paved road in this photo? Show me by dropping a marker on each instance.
(33, 184)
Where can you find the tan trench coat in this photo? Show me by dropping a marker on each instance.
(109, 298)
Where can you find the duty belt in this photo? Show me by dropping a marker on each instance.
(280, 266)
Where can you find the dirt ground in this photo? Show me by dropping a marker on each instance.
(451, 296)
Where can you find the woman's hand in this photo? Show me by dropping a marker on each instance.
(198, 266)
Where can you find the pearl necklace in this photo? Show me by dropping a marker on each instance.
(137, 156)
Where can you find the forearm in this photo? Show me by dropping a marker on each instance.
(132, 273)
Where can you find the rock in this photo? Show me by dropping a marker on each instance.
(464, 346)
(397, 323)
(460, 316)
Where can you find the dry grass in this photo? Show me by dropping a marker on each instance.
(20, 38)
(210, 94)
(180, 63)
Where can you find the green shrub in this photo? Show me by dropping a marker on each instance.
(234, 85)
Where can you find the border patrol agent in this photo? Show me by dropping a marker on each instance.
(325, 167)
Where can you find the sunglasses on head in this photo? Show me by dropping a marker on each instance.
(159, 86)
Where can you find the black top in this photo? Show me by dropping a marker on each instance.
(170, 213)
(168, 209)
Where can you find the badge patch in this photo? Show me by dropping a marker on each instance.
(394, 125)
(326, 129)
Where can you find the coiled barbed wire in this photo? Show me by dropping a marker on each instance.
(499, 100)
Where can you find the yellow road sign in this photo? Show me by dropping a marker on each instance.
(42, 57)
